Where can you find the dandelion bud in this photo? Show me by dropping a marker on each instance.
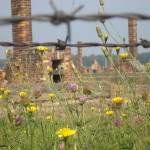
(117, 49)
(100, 12)
(101, 2)
(99, 32)
(105, 51)
(7, 53)
(20, 61)
(105, 37)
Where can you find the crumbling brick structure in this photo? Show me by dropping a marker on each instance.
(79, 59)
(25, 60)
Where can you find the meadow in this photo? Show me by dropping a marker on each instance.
(88, 113)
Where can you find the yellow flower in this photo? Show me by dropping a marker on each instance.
(22, 94)
(123, 115)
(51, 95)
(92, 108)
(41, 48)
(117, 100)
(25, 90)
(31, 104)
(65, 132)
(105, 36)
(147, 64)
(1, 96)
(16, 74)
(106, 109)
(32, 109)
(2, 89)
(109, 113)
(101, 99)
(7, 91)
(123, 55)
(49, 117)
(117, 48)
(128, 101)
(146, 104)
(50, 69)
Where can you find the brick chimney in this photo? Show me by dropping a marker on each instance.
(132, 34)
(79, 58)
(22, 31)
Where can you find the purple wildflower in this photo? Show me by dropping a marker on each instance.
(118, 122)
(138, 119)
(61, 146)
(73, 87)
(19, 120)
(37, 92)
(83, 99)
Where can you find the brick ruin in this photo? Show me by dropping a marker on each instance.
(30, 63)
(26, 59)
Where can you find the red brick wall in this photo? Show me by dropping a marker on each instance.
(30, 67)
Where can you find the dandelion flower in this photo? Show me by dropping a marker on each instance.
(147, 64)
(146, 104)
(49, 117)
(7, 91)
(41, 48)
(51, 95)
(128, 101)
(123, 55)
(123, 115)
(92, 108)
(50, 69)
(109, 113)
(117, 100)
(65, 132)
(16, 74)
(32, 109)
(2, 89)
(22, 94)
(1, 96)
(106, 109)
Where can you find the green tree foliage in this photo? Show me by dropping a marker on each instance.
(89, 60)
(2, 63)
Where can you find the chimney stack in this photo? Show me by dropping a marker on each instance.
(21, 31)
(132, 34)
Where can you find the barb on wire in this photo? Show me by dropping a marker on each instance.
(62, 44)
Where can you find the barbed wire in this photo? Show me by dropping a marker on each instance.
(143, 43)
(59, 17)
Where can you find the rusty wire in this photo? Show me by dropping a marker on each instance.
(58, 44)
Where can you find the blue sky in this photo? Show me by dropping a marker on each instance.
(80, 30)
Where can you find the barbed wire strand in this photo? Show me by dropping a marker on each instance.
(145, 44)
